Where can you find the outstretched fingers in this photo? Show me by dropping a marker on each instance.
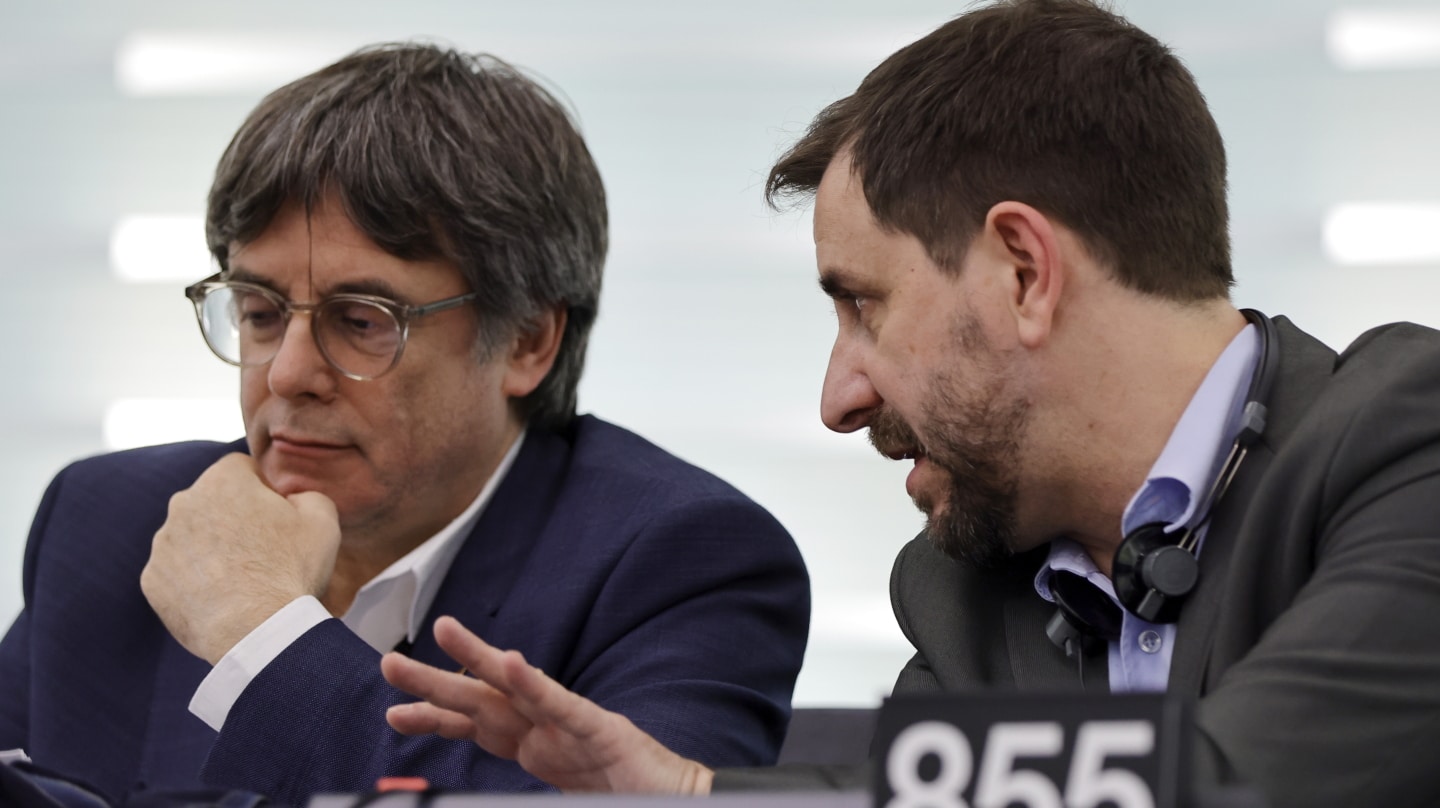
(420, 718)
(514, 710)
(531, 692)
(458, 706)
(486, 662)
(545, 701)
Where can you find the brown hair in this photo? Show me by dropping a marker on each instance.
(437, 154)
(1059, 104)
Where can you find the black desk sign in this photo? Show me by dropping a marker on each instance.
(1005, 750)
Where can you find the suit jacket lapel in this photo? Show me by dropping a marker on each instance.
(1305, 367)
(497, 549)
(1036, 662)
(1197, 618)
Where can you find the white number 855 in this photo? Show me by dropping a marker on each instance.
(999, 783)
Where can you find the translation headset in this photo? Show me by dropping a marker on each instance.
(1153, 571)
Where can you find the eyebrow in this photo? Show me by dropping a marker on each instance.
(242, 275)
(836, 283)
(367, 286)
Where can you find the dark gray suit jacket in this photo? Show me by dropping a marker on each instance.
(1312, 641)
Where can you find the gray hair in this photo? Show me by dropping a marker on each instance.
(437, 154)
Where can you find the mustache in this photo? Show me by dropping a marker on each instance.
(891, 436)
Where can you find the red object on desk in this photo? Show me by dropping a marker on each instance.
(401, 784)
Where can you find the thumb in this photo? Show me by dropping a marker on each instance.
(318, 541)
(315, 509)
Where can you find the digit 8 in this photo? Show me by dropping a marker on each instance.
(902, 766)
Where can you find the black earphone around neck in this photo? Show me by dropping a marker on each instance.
(1153, 570)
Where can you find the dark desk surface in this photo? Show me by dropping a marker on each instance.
(845, 799)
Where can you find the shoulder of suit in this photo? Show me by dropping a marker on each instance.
(181, 462)
(628, 460)
(1400, 349)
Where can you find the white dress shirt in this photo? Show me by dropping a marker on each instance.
(389, 608)
(1173, 492)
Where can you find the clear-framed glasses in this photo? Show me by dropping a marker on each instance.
(362, 336)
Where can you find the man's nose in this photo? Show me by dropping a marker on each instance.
(848, 399)
(299, 368)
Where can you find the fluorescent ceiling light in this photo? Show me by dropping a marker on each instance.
(132, 422)
(1371, 39)
(159, 249)
(1382, 233)
(156, 64)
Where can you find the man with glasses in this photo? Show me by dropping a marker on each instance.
(410, 245)
(360, 335)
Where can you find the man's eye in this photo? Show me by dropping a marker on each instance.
(253, 311)
(361, 318)
(853, 308)
(861, 306)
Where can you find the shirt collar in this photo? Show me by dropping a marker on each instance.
(392, 606)
(1066, 555)
(1180, 477)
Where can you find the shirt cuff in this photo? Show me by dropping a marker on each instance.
(233, 673)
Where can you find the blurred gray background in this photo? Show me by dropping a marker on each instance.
(712, 338)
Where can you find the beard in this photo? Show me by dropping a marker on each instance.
(974, 437)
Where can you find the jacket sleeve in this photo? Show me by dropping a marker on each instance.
(1338, 703)
(696, 634)
(15, 684)
(15, 648)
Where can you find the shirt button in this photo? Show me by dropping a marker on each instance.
(1150, 641)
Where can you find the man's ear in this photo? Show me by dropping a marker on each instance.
(1030, 246)
(532, 353)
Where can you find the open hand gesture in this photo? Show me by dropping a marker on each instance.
(515, 711)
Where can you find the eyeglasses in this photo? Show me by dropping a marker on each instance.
(362, 336)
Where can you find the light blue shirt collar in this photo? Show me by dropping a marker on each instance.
(1181, 478)
(1173, 493)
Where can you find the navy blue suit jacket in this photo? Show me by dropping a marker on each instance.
(628, 575)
